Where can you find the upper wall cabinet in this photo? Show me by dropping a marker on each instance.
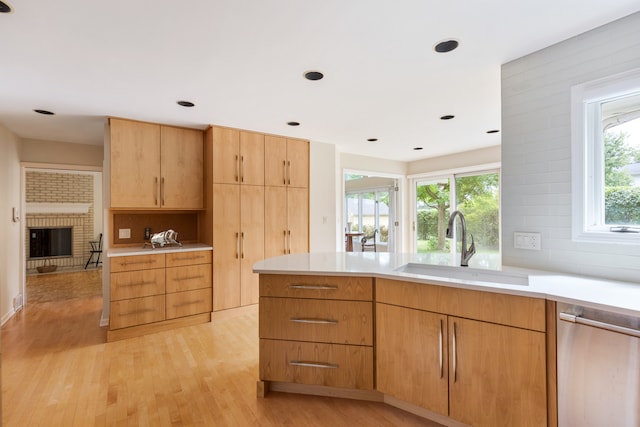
(238, 156)
(286, 162)
(154, 166)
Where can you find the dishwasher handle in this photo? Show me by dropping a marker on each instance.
(573, 318)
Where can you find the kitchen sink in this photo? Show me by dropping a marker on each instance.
(465, 273)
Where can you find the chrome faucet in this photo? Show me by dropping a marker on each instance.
(466, 253)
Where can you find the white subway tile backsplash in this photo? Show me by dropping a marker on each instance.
(536, 149)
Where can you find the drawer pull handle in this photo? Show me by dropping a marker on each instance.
(125, 263)
(310, 320)
(313, 364)
(144, 310)
(314, 287)
(188, 258)
(198, 301)
(180, 279)
(143, 283)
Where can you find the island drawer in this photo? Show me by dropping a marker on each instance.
(333, 365)
(188, 277)
(136, 262)
(329, 321)
(320, 287)
(136, 284)
(136, 311)
(175, 259)
(181, 304)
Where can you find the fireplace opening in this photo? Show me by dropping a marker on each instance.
(50, 242)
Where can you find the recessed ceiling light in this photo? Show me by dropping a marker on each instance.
(45, 112)
(417, 148)
(447, 117)
(372, 139)
(293, 123)
(4, 8)
(493, 131)
(313, 75)
(186, 104)
(446, 46)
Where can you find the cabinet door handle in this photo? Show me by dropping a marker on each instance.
(314, 364)
(237, 245)
(314, 287)
(289, 172)
(284, 172)
(125, 263)
(162, 191)
(285, 241)
(241, 168)
(312, 320)
(186, 303)
(189, 258)
(289, 241)
(236, 176)
(455, 354)
(242, 245)
(155, 191)
(441, 350)
(140, 311)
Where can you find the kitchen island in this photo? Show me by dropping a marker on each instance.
(458, 346)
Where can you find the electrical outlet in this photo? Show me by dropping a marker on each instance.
(124, 233)
(530, 241)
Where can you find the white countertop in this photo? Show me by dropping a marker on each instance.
(139, 250)
(615, 296)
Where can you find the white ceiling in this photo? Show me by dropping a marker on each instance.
(242, 63)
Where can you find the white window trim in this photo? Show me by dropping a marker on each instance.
(587, 171)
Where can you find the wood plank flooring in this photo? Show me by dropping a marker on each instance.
(58, 370)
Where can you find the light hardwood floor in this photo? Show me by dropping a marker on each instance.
(57, 370)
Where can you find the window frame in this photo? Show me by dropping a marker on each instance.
(587, 158)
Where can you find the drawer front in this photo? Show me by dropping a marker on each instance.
(320, 287)
(175, 259)
(136, 284)
(503, 309)
(183, 304)
(136, 262)
(136, 311)
(188, 277)
(331, 365)
(329, 321)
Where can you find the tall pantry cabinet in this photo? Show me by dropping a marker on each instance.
(241, 205)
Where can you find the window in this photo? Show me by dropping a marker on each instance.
(606, 160)
(477, 196)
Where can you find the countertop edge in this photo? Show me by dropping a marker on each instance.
(135, 251)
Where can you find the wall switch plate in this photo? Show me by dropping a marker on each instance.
(530, 241)
(124, 233)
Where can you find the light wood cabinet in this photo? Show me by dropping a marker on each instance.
(286, 162)
(477, 357)
(238, 156)
(309, 340)
(150, 292)
(154, 166)
(286, 221)
(238, 239)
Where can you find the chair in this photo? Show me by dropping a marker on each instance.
(369, 242)
(96, 248)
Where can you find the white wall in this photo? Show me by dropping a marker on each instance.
(323, 184)
(10, 232)
(536, 150)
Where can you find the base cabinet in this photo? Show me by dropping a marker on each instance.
(476, 357)
(317, 331)
(158, 291)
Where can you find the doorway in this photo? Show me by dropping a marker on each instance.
(370, 207)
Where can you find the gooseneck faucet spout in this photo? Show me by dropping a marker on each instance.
(466, 253)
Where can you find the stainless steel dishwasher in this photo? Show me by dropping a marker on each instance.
(598, 368)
